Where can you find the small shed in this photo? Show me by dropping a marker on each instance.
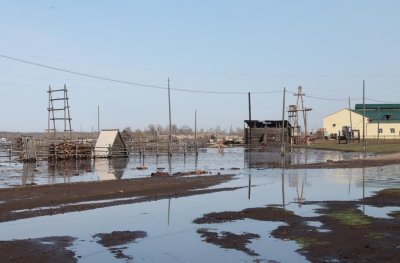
(110, 144)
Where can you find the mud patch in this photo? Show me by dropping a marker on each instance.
(45, 250)
(229, 240)
(340, 232)
(114, 240)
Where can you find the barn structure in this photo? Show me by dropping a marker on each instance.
(267, 132)
(110, 144)
(381, 121)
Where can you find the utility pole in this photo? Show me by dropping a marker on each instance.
(249, 141)
(283, 124)
(379, 120)
(170, 125)
(364, 142)
(351, 123)
(195, 131)
(98, 119)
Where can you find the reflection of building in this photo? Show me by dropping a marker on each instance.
(380, 119)
(28, 173)
(69, 167)
(110, 169)
(265, 159)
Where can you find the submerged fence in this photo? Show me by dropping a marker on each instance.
(43, 149)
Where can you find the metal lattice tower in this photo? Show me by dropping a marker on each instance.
(59, 111)
(294, 114)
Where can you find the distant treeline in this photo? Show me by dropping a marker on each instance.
(152, 130)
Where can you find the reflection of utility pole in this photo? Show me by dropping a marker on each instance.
(196, 162)
(249, 194)
(350, 177)
(169, 209)
(300, 196)
(300, 199)
(170, 165)
(363, 186)
(283, 188)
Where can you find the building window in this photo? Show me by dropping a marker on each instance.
(380, 130)
(334, 125)
(392, 130)
(387, 117)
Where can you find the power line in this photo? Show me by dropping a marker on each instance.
(380, 101)
(128, 82)
(81, 74)
(163, 87)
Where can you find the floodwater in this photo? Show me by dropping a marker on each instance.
(171, 234)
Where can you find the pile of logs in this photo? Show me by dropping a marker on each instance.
(69, 150)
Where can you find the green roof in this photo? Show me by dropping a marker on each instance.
(385, 113)
(378, 106)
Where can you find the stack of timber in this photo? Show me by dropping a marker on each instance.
(69, 150)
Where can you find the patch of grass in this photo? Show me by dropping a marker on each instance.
(376, 235)
(306, 242)
(350, 217)
(281, 210)
(372, 146)
(390, 191)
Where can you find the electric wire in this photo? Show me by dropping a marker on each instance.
(164, 87)
(128, 82)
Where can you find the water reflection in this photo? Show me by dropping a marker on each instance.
(66, 169)
(175, 235)
(262, 159)
(110, 169)
(28, 173)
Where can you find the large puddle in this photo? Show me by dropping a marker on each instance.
(170, 234)
(228, 161)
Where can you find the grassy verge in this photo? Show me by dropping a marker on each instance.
(372, 146)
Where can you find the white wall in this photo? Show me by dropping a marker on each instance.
(333, 124)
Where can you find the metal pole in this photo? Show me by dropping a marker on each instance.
(65, 112)
(249, 142)
(364, 142)
(283, 124)
(195, 131)
(170, 125)
(379, 118)
(351, 123)
(98, 119)
(49, 109)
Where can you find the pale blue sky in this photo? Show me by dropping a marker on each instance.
(327, 47)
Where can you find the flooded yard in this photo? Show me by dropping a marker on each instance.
(168, 229)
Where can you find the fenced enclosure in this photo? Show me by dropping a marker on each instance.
(62, 149)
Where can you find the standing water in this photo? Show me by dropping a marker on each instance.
(171, 235)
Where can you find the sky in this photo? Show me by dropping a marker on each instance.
(213, 52)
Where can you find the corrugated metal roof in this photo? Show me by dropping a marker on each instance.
(378, 106)
(381, 115)
(385, 113)
(106, 139)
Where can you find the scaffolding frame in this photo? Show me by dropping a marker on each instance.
(59, 102)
